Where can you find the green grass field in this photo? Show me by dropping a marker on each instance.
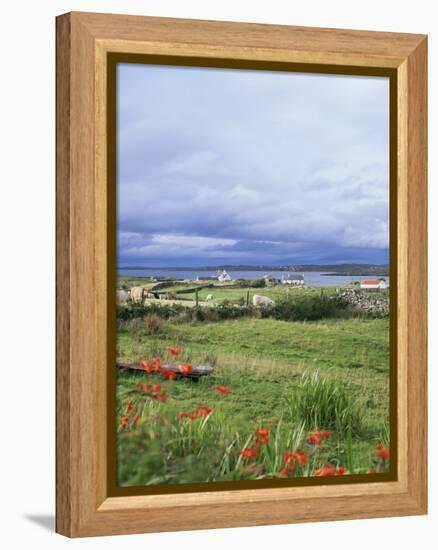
(262, 361)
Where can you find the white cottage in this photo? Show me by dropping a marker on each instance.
(223, 276)
(375, 284)
(293, 279)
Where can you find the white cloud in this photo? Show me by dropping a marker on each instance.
(138, 245)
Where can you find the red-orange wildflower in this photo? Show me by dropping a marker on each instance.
(156, 387)
(324, 434)
(301, 457)
(223, 390)
(168, 374)
(161, 395)
(124, 420)
(262, 435)
(182, 415)
(156, 363)
(289, 458)
(174, 351)
(382, 452)
(329, 470)
(185, 369)
(204, 411)
(314, 439)
(148, 366)
(248, 452)
(283, 472)
(146, 387)
(191, 415)
(298, 456)
(129, 406)
(317, 438)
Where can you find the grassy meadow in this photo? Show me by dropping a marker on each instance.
(286, 398)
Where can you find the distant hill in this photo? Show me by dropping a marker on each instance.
(329, 269)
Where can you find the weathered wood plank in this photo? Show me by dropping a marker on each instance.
(197, 370)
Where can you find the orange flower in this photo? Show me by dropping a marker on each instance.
(262, 435)
(156, 387)
(329, 470)
(204, 411)
(289, 458)
(182, 415)
(174, 351)
(129, 406)
(162, 395)
(168, 374)
(248, 452)
(156, 363)
(297, 456)
(223, 390)
(124, 421)
(191, 416)
(382, 452)
(148, 367)
(185, 369)
(314, 439)
(301, 457)
(317, 438)
(283, 472)
(324, 434)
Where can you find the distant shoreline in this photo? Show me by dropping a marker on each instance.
(351, 270)
(347, 274)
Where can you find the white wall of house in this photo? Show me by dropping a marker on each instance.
(376, 286)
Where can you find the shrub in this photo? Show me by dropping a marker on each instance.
(239, 283)
(220, 312)
(307, 308)
(318, 403)
(258, 283)
(134, 310)
(297, 308)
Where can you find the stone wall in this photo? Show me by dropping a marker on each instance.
(375, 302)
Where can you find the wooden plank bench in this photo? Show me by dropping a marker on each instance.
(197, 370)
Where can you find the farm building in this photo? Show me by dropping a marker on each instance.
(271, 280)
(375, 284)
(223, 276)
(293, 279)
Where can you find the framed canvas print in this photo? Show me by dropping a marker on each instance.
(241, 274)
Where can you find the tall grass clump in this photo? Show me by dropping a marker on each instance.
(153, 324)
(319, 402)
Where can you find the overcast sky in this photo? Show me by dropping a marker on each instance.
(248, 167)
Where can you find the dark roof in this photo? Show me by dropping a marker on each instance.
(294, 277)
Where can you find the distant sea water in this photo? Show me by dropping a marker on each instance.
(311, 278)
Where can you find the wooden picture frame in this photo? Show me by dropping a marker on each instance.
(85, 42)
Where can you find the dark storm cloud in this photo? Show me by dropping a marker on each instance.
(249, 167)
